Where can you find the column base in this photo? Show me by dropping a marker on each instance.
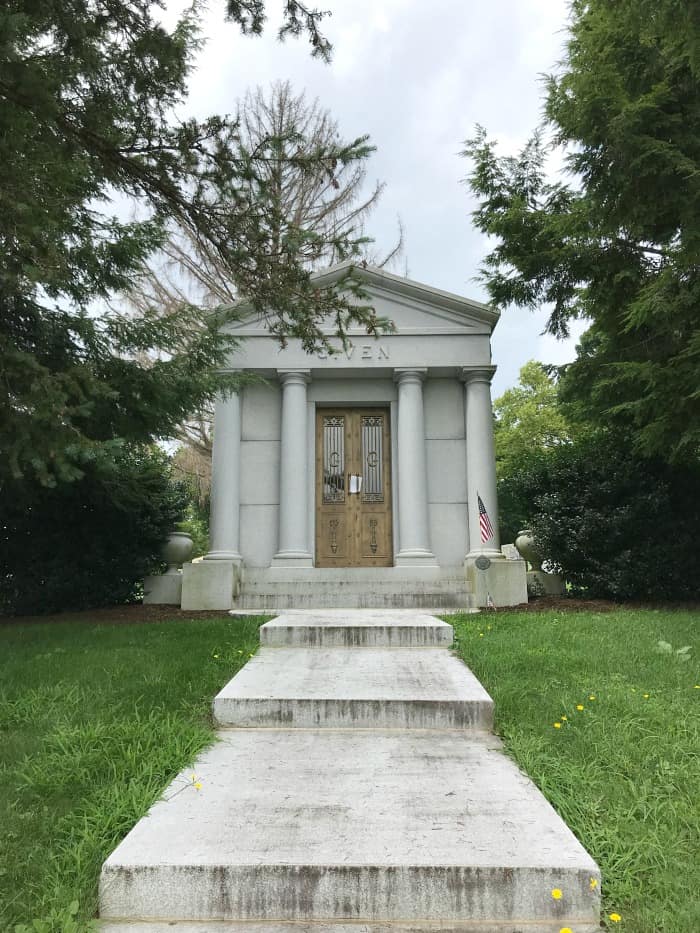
(415, 557)
(292, 559)
(213, 584)
(491, 553)
(224, 555)
(501, 583)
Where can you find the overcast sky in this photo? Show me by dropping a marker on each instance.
(416, 77)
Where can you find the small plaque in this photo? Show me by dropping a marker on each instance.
(482, 563)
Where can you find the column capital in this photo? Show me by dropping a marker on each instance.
(294, 376)
(412, 374)
(477, 374)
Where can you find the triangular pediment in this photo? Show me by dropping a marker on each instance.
(415, 308)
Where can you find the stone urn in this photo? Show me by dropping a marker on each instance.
(176, 550)
(525, 543)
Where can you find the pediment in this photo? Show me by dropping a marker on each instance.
(416, 309)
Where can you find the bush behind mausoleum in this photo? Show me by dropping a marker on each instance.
(618, 526)
(90, 542)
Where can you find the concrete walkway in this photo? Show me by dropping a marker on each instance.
(355, 788)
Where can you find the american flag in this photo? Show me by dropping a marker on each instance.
(484, 522)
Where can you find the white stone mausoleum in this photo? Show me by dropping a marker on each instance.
(354, 479)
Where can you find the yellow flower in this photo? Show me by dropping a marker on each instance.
(197, 785)
(593, 884)
(566, 930)
(564, 718)
(481, 634)
(557, 725)
(615, 918)
(579, 706)
(591, 697)
(697, 686)
(556, 894)
(646, 696)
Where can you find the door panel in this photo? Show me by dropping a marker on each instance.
(353, 488)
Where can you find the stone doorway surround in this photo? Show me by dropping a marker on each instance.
(353, 488)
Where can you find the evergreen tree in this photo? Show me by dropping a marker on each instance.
(89, 98)
(620, 244)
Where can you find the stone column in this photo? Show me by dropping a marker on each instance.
(481, 460)
(224, 520)
(414, 529)
(294, 508)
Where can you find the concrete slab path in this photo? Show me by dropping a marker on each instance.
(353, 790)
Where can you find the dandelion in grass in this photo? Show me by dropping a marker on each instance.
(564, 718)
(645, 696)
(592, 696)
(580, 707)
(481, 634)
(615, 918)
(557, 725)
(556, 894)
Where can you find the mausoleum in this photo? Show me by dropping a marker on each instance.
(364, 478)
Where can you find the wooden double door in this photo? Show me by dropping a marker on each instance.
(353, 488)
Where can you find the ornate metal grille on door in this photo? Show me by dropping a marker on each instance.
(372, 459)
(334, 459)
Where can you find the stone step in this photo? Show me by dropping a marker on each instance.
(380, 688)
(328, 827)
(248, 926)
(357, 629)
(279, 588)
(339, 597)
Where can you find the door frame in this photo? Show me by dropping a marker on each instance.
(352, 506)
(329, 393)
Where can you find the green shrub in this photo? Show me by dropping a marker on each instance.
(87, 543)
(617, 526)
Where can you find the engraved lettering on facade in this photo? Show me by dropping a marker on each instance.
(367, 351)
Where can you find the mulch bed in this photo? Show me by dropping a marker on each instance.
(138, 613)
(115, 615)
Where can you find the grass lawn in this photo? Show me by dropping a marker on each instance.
(623, 764)
(94, 721)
